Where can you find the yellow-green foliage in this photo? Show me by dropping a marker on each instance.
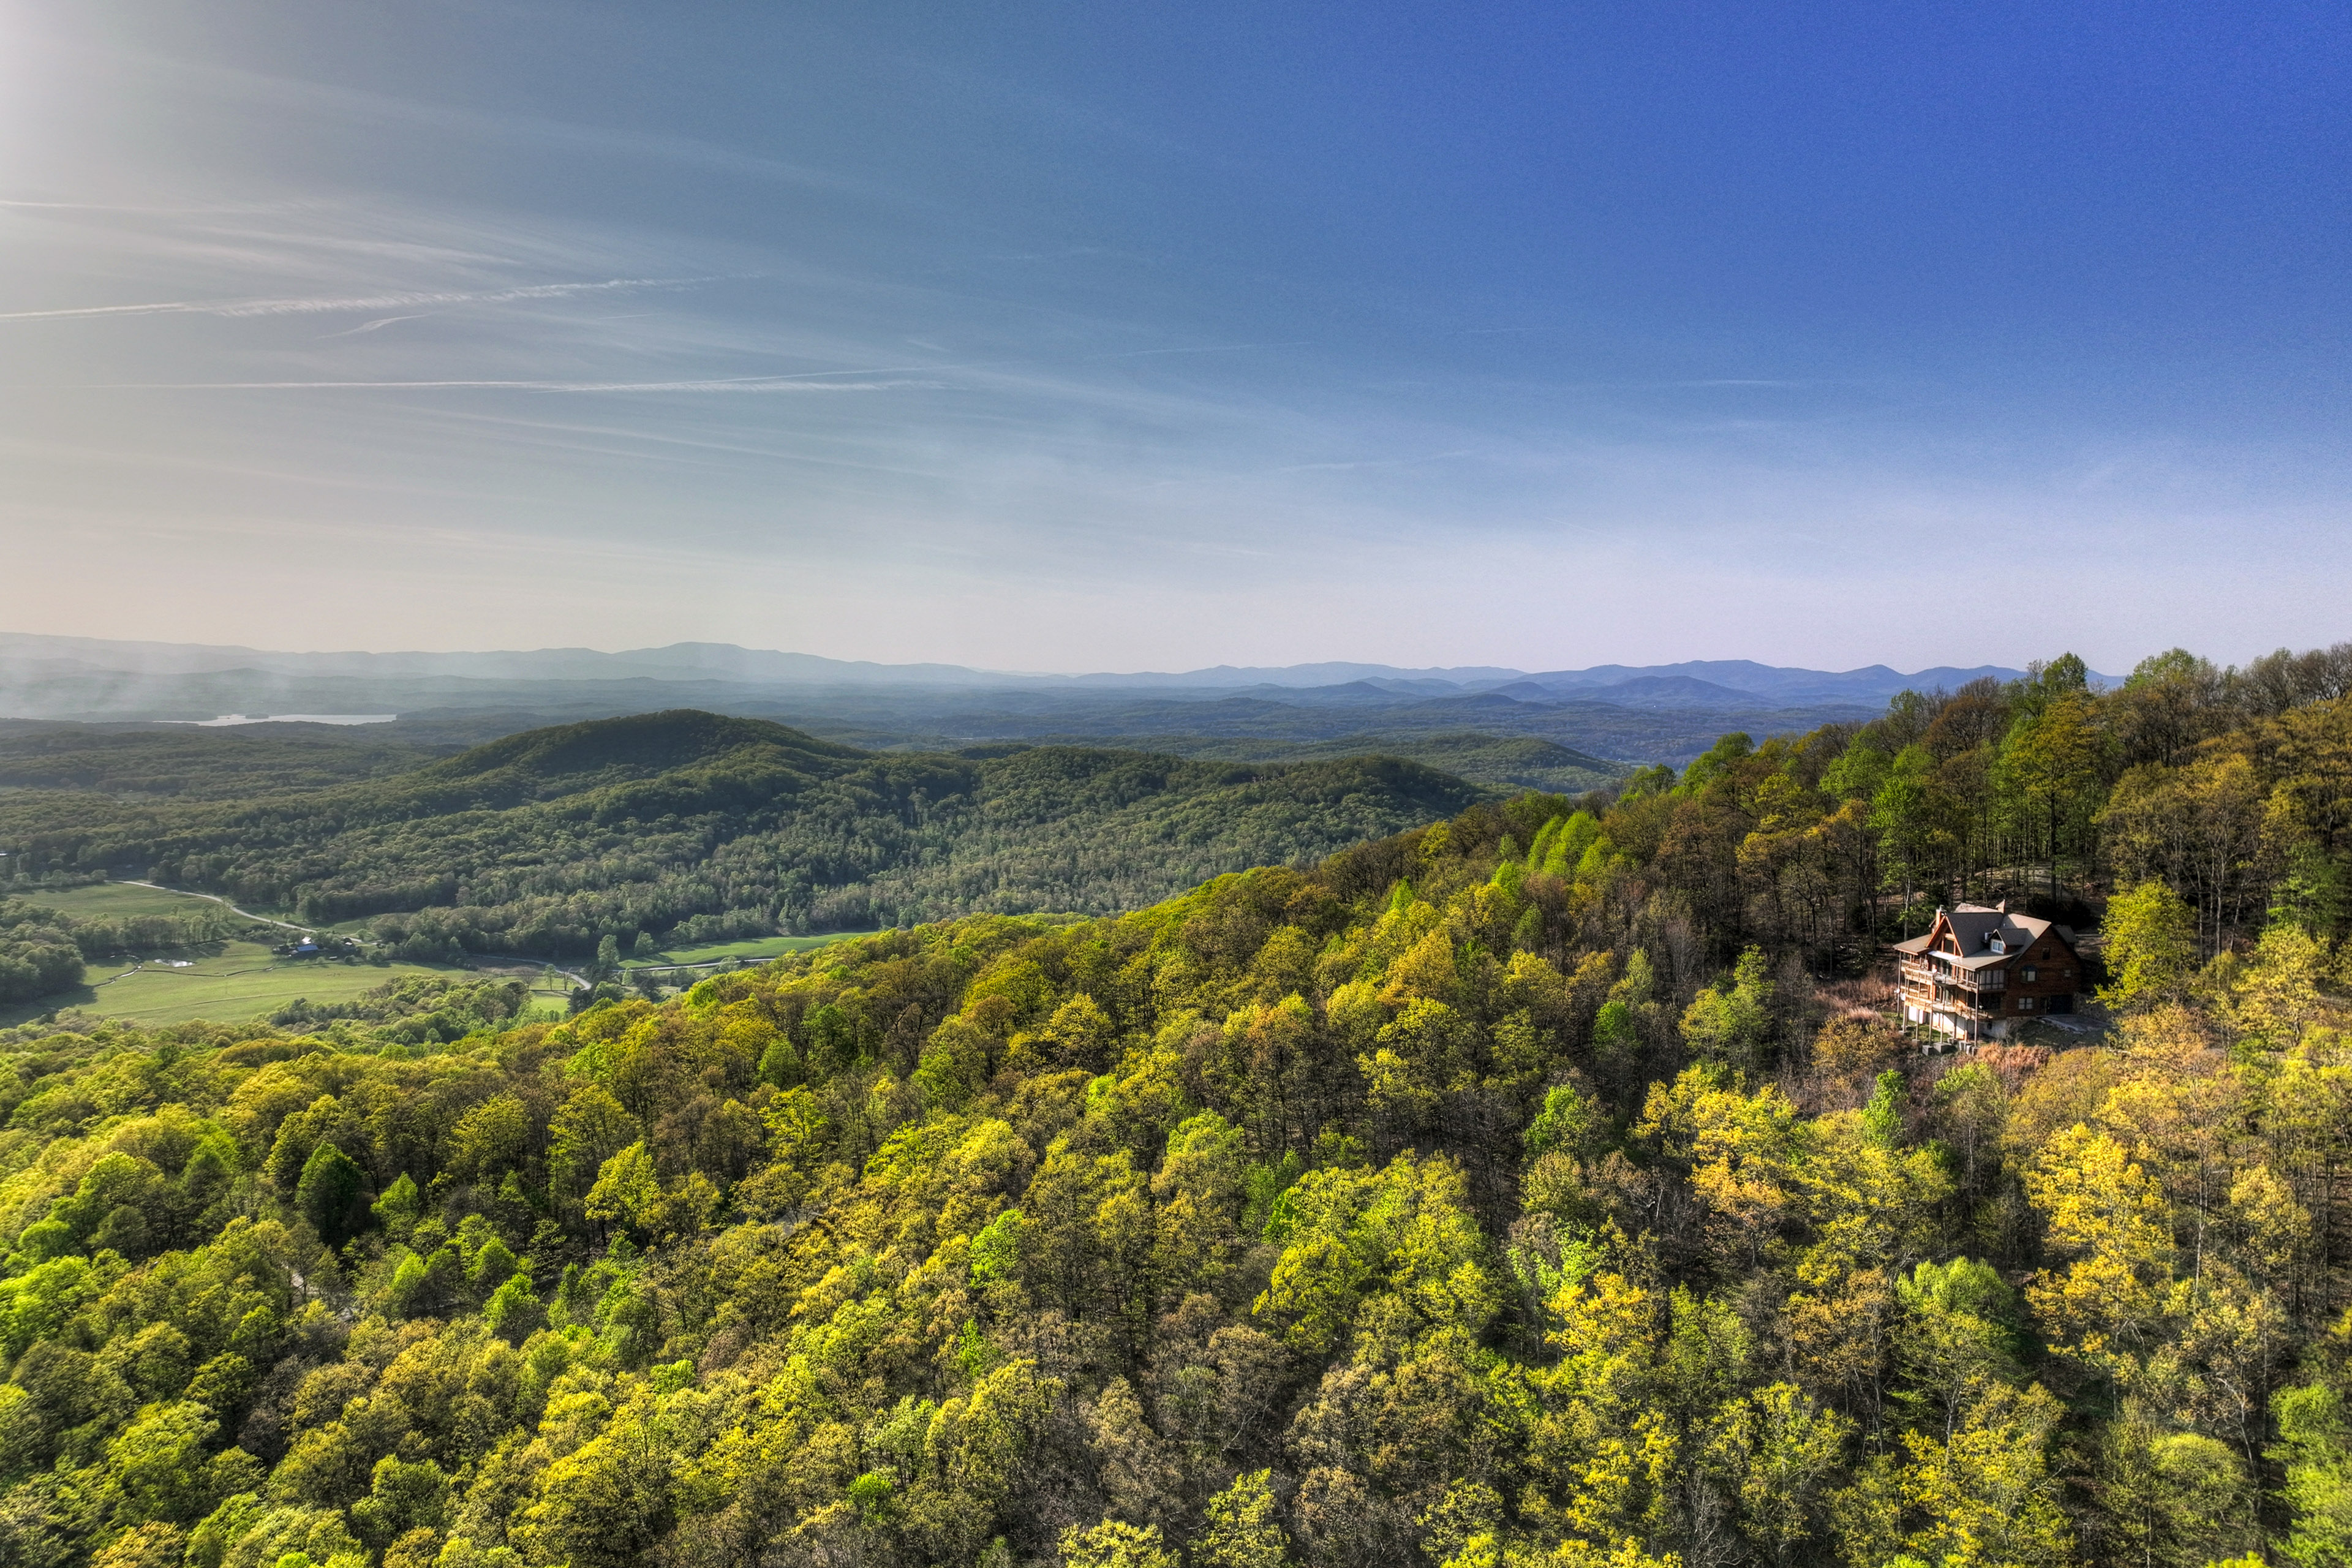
(1379, 1213)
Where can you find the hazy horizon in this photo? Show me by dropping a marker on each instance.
(1062, 339)
(1461, 671)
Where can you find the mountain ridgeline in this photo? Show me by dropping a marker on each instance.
(701, 828)
(1666, 713)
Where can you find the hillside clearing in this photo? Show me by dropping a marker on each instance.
(230, 982)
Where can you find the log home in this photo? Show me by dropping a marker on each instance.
(1977, 972)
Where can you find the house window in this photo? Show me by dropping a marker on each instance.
(2025, 1004)
(2031, 975)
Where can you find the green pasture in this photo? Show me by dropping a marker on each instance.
(236, 982)
(548, 1006)
(759, 950)
(231, 982)
(111, 899)
(121, 899)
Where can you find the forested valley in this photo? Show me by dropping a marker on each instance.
(1525, 1190)
(699, 828)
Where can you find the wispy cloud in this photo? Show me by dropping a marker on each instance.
(725, 383)
(320, 307)
(1205, 348)
(1373, 463)
(379, 324)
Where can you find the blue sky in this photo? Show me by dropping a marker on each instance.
(1086, 337)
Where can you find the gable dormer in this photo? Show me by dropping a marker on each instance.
(1940, 937)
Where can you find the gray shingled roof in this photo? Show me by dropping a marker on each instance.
(1975, 926)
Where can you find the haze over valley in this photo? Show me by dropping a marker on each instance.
(1558, 727)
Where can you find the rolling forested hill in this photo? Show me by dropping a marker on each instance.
(1513, 763)
(154, 760)
(1503, 1194)
(705, 827)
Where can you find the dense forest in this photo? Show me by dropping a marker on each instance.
(1516, 762)
(1505, 1193)
(2232, 787)
(199, 763)
(202, 763)
(698, 828)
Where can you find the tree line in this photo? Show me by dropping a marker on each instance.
(2232, 787)
(42, 950)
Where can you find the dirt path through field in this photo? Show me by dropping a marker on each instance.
(213, 899)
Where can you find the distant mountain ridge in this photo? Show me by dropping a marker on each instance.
(23, 654)
(705, 661)
(1872, 683)
(1624, 713)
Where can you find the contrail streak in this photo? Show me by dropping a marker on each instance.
(371, 326)
(812, 383)
(365, 303)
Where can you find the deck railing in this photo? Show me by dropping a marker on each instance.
(1926, 974)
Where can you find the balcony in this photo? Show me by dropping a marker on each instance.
(1924, 974)
(1952, 1003)
(1955, 999)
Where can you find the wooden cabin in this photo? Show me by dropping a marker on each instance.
(1979, 972)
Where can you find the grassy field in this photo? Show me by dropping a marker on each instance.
(124, 898)
(553, 1006)
(234, 981)
(757, 949)
(112, 898)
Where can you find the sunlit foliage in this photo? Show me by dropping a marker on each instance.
(1474, 1198)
